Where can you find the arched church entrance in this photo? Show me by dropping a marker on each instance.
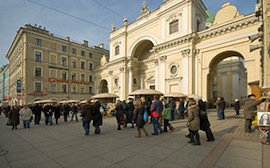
(227, 78)
(103, 87)
(141, 66)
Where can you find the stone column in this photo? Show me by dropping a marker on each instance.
(156, 75)
(130, 79)
(186, 72)
(122, 84)
(110, 83)
(162, 73)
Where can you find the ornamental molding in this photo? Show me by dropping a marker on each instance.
(185, 53)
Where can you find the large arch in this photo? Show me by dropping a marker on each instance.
(229, 79)
(139, 41)
(103, 86)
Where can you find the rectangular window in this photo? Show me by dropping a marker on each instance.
(38, 72)
(38, 56)
(117, 48)
(38, 42)
(90, 66)
(90, 78)
(74, 51)
(74, 89)
(53, 87)
(64, 48)
(64, 61)
(53, 59)
(82, 65)
(174, 27)
(64, 75)
(83, 77)
(90, 55)
(73, 63)
(73, 77)
(64, 88)
(53, 73)
(82, 53)
(90, 90)
(82, 89)
(37, 87)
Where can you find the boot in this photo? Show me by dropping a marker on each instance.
(119, 127)
(145, 132)
(197, 139)
(138, 134)
(191, 138)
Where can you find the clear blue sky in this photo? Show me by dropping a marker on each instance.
(99, 15)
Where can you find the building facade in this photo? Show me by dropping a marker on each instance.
(4, 84)
(45, 66)
(171, 50)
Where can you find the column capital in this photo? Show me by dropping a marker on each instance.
(163, 58)
(122, 69)
(156, 61)
(185, 53)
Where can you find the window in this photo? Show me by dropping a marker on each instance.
(82, 65)
(198, 25)
(37, 87)
(73, 77)
(52, 87)
(173, 69)
(64, 61)
(74, 89)
(82, 53)
(64, 75)
(134, 81)
(38, 56)
(90, 90)
(38, 72)
(90, 66)
(64, 48)
(117, 50)
(64, 88)
(90, 78)
(38, 42)
(83, 77)
(74, 51)
(82, 89)
(53, 59)
(174, 27)
(53, 73)
(73, 63)
(90, 55)
(116, 81)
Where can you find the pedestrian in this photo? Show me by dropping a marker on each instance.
(166, 115)
(37, 113)
(66, 110)
(139, 119)
(26, 114)
(172, 106)
(250, 109)
(221, 104)
(193, 122)
(181, 109)
(74, 111)
(204, 121)
(237, 106)
(48, 113)
(86, 114)
(156, 112)
(14, 116)
(120, 118)
(57, 113)
(129, 113)
(97, 116)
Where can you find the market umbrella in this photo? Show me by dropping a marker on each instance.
(45, 101)
(68, 101)
(104, 96)
(175, 94)
(145, 92)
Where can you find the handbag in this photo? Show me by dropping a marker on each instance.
(145, 116)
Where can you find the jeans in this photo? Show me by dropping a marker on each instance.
(220, 114)
(76, 116)
(48, 120)
(156, 125)
(86, 127)
(26, 123)
(65, 116)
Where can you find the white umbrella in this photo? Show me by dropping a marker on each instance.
(45, 101)
(145, 92)
(175, 94)
(104, 96)
(68, 101)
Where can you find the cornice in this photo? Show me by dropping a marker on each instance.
(112, 63)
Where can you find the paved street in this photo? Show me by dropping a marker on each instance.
(65, 145)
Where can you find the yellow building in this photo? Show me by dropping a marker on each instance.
(171, 50)
(45, 66)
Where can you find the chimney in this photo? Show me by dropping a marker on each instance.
(85, 43)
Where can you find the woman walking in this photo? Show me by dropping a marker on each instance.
(138, 118)
(193, 122)
(14, 116)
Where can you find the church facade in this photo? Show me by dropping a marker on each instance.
(171, 50)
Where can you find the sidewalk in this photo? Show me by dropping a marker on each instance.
(66, 146)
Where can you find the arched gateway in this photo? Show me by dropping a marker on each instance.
(171, 50)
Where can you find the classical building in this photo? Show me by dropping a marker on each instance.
(43, 66)
(4, 84)
(171, 50)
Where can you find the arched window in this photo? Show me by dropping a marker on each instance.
(117, 50)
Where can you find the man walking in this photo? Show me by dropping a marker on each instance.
(156, 111)
(86, 117)
(250, 109)
(26, 114)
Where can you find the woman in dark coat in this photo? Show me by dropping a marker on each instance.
(14, 117)
(119, 114)
(237, 106)
(97, 117)
(129, 113)
(138, 118)
(204, 121)
(57, 113)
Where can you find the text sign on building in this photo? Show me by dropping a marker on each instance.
(19, 86)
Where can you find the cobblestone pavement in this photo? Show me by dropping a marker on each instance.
(65, 145)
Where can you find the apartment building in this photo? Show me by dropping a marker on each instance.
(4, 84)
(43, 66)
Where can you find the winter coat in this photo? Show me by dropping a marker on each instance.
(48, 110)
(237, 105)
(57, 112)
(87, 112)
(250, 107)
(156, 108)
(129, 112)
(26, 114)
(221, 104)
(204, 121)
(138, 117)
(37, 110)
(14, 116)
(97, 117)
(181, 106)
(167, 114)
(193, 118)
